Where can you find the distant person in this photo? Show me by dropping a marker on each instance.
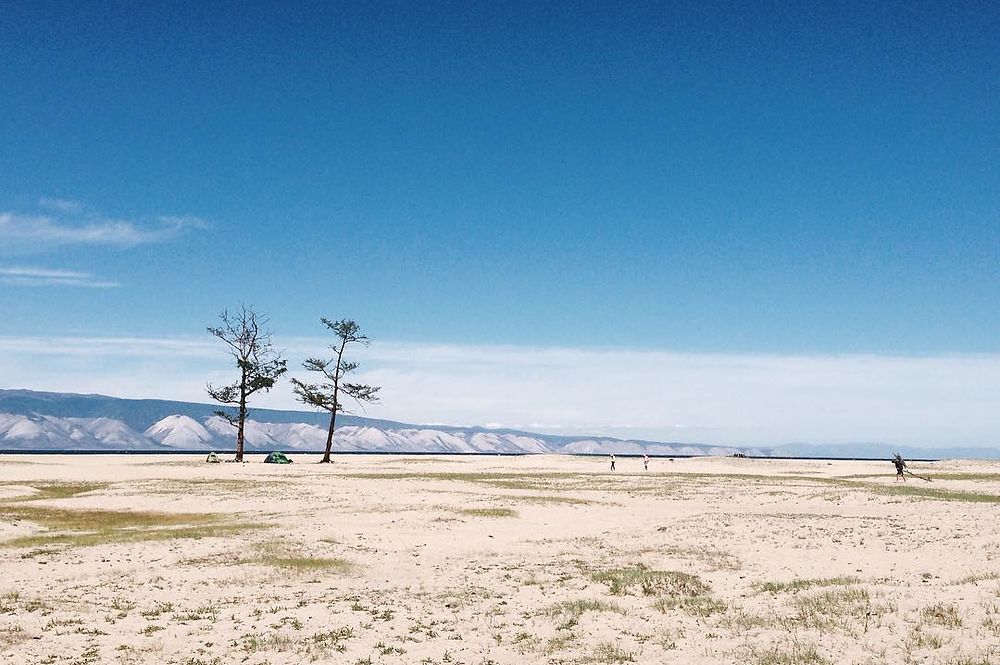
(612, 461)
(900, 467)
(645, 462)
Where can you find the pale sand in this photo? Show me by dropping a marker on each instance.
(882, 576)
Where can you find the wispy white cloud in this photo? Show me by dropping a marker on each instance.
(70, 223)
(182, 222)
(61, 205)
(743, 399)
(103, 349)
(23, 276)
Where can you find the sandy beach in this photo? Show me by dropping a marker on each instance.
(477, 560)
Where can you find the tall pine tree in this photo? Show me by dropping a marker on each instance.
(328, 394)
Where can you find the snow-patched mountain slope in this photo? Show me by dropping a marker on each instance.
(255, 434)
(300, 435)
(44, 431)
(305, 437)
(434, 440)
(619, 447)
(270, 436)
(182, 432)
(21, 428)
(34, 432)
(112, 433)
(64, 421)
(48, 421)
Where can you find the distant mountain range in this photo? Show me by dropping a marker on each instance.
(31, 421)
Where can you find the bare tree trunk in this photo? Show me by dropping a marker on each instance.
(240, 428)
(329, 436)
(336, 403)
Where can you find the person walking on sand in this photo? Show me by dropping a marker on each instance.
(900, 467)
(645, 462)
(612, 461)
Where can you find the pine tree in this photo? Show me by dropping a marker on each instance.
(329, 394)
(259, 364)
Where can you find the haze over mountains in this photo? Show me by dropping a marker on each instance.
(32, 421)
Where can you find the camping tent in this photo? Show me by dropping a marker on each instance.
(277, 458)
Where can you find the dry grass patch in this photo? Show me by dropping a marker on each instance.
(802, 584)
(609, 653)
(111, 535)
(217, 486)
(281, 555)
(85, 527)
(837, 608)
(11, 635)
(935, 494)
(974, 578)
(305, 564)
(985, 477)
(12, 602)
(53, 490)
(320, 645)
(544, 499)
(577, 608)
(487, 512)
(699, 606)
(156, 610)
(65, 519)
(991, 622)
(921, 638)
(566, 481)
(913, 489)
(797, 653)
(740, 620)
(942, 615)
(652, 582)
(847, 609)
(253, 642)
(210, 612)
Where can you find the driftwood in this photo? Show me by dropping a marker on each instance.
(916, 475)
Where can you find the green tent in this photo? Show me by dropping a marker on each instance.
(277, 458)
(213, 458)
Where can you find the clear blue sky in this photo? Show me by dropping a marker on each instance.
(774, 177)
